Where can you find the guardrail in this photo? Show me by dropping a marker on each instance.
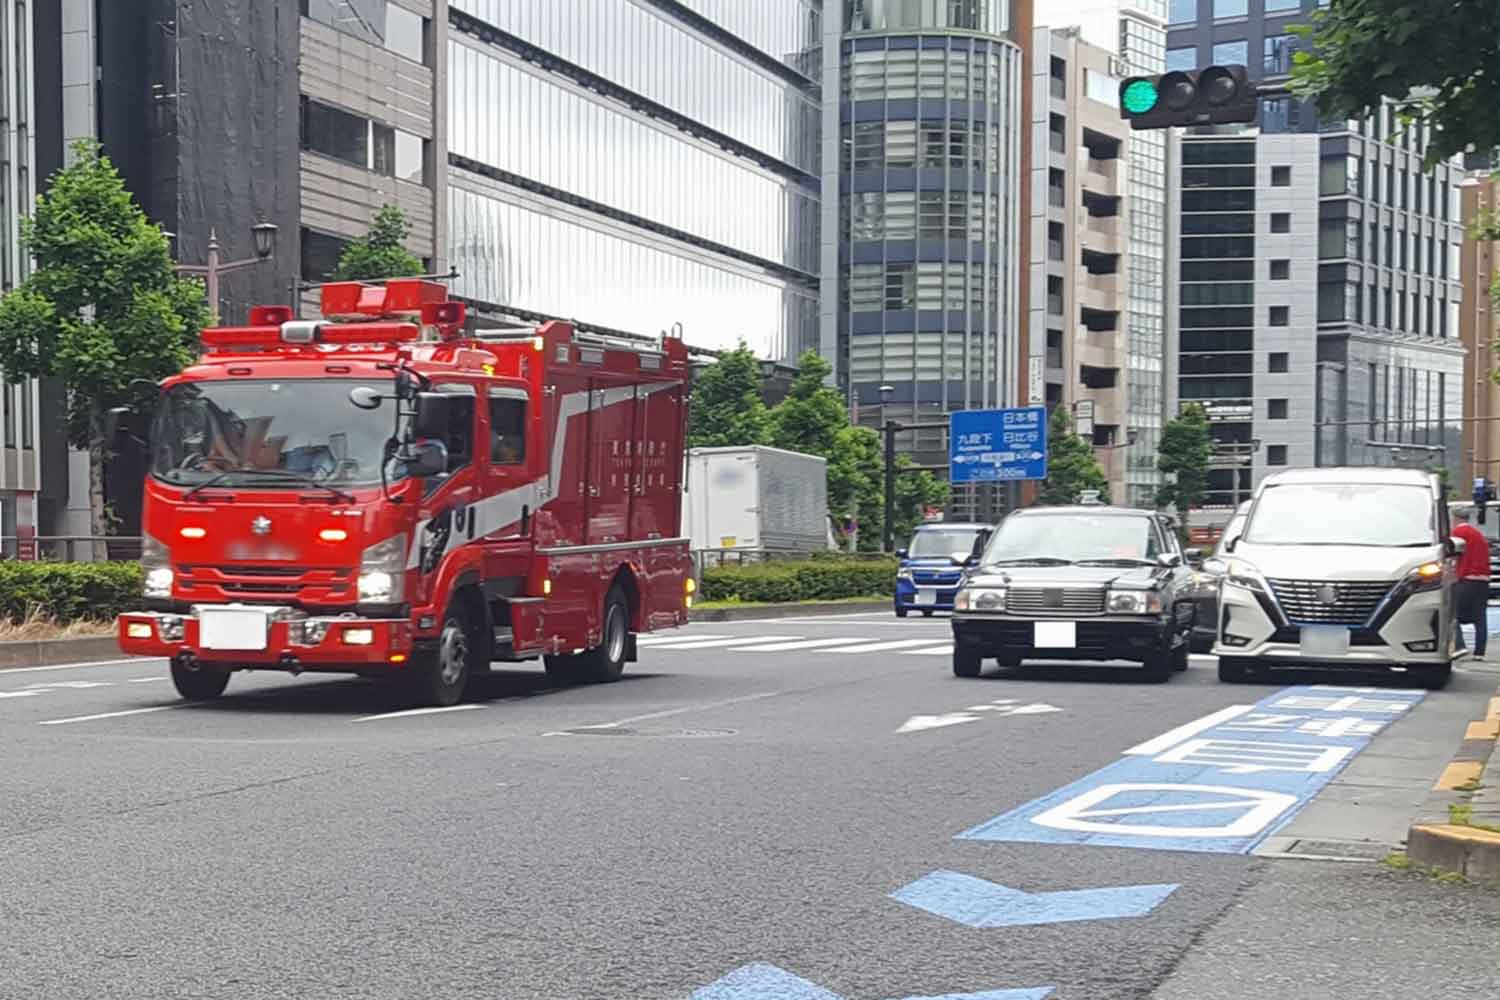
(72, 548)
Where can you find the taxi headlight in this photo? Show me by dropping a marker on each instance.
(980, 599)
(1133, 602)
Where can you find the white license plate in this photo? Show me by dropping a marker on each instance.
(1324, 640)
(926, 595)
(245, 630)
(1055, 635)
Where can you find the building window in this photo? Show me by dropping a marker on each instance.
(1231, 8)
(1281, 177)
(1277, 54)
(1182, 59)
(406, 33)
(1182, 12)
(1281, 270)
(1281, 222)
(335, 133)
(8, 413)
(1276, 409)
(1278, 361)
(1276, 454)
(320, 255)
(379, 22)
(1276, 5)
(1280, 316)
(1231, 53)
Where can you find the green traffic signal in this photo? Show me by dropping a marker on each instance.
(1140, 97)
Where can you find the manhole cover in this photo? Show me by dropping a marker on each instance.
(702, 734)
(1353, 850)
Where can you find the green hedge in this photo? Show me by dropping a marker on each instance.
(783, 582)
(68, 591)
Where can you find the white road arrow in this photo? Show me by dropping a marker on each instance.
(917, 723)
(1037, 709)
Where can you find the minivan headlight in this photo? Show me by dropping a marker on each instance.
(1428, 576)
(1242, 574)
(382, 571)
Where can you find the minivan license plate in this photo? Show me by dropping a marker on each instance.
(1323, 640)
(926, 595)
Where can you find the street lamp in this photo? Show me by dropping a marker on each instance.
(265, 247)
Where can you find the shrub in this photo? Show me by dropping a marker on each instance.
(68, 591)
(815, 580)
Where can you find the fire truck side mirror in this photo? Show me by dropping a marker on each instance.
(425, 459)
(365, 397)
(433, 411)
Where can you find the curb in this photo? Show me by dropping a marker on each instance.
(786, 611)
(1463, 844)
(59, 652)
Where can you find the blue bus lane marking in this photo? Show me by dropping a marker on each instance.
(1222, 784)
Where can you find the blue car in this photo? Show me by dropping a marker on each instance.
(933, 564)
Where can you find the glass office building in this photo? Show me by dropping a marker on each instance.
(636, 166)
(930, 189)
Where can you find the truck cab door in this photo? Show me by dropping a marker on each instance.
(448, 498)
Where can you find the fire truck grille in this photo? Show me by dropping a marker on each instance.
(317, 583)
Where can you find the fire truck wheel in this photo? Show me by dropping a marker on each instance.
(202, 684)
(606, 661)
(442, 678)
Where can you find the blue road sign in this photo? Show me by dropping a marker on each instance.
(763, 981)
(975, 902)
(1219, 784)
(997, 446)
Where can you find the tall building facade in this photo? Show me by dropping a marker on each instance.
(1319, 271)
(1080, 221)
(931, 245)
(1135, 31)
(639, 165)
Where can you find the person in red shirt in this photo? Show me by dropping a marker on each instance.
(1472, 593)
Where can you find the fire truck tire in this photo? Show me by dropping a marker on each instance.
(202, 684)
(606, 661)
(442, 676)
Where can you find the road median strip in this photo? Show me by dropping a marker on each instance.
(1458, 829)
(30, 653)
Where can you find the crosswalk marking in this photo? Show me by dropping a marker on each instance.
(723, 643)
(781, 647)
(665, 637)
(880, 647)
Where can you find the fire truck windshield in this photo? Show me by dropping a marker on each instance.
(244, 433)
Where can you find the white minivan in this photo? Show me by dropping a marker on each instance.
(1348, 569)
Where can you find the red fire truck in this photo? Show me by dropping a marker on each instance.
(378, 492)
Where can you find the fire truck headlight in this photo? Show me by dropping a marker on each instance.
(155, 562)
(382, 571)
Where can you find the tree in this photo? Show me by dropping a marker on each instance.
(380, 253)
(103, 307)
(916, 490)
(813, 412)
(1184, 452)
(726, 407)
(1438, 61)
(1071, 465)
(856, 485)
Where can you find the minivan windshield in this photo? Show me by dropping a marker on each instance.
(1063, 536)
(1374, 514)
(940, 543)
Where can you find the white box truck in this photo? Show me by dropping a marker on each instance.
(756, 499)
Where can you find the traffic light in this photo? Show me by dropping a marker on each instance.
(1218, 95)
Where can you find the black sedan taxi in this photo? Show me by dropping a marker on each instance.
(1084, 583)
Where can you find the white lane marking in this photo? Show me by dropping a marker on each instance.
(943, 650)
(19, 694)
(664, 637)
(779, 647)
(70, 685)
(724, 643)
(111, 715)
(1040, 708)
(146, 680)
(669, 712)
(1170, 739)
(879, 647)
(75, 666)
(917, 723)
(409, 712)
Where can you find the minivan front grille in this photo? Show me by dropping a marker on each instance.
(1329, 602)
(1054, 602)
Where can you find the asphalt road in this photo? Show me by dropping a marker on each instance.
(744, 796)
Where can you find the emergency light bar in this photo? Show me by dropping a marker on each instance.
(308, 332)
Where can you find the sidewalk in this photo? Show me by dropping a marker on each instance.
(1458, 828)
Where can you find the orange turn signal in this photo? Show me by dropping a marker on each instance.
(333, 534)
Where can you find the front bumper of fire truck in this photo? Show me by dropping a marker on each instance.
(268, 638)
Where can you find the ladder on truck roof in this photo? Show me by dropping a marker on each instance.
(620, 342)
